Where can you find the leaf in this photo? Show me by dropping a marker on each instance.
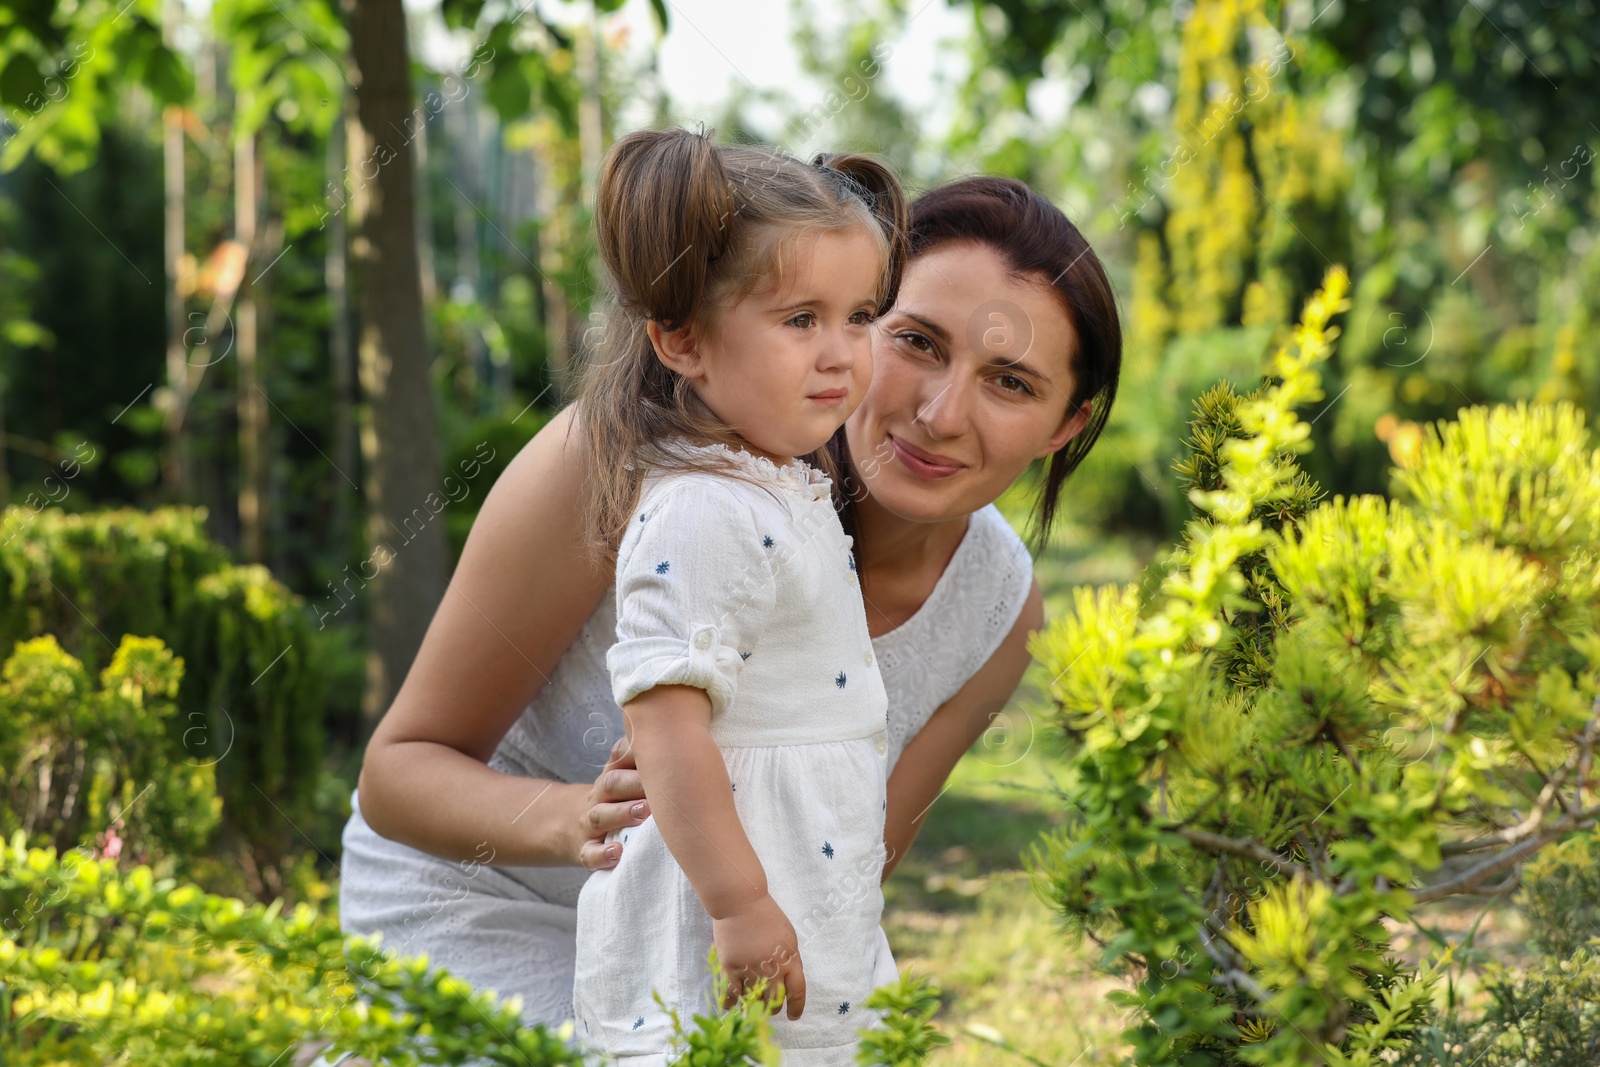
(20, 81)
(167, 78)
(509, 91)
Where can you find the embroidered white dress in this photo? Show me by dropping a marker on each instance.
(747, 589)
(511, 929)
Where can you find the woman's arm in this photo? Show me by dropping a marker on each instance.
(522, 591)
(932, 754)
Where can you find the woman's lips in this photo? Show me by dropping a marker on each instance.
(924, 464)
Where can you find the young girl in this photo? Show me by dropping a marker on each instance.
(745, 283)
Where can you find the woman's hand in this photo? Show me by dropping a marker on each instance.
(758, 941)
(616, 800)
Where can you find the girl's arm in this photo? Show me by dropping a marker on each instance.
(931, 755)
(669, 733)
(523, 589)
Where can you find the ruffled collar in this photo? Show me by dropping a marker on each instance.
(797, 476)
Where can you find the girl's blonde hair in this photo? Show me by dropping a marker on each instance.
(686, 228)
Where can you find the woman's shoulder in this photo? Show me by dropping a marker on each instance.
(996, 552)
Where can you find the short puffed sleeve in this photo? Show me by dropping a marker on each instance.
(695, 588)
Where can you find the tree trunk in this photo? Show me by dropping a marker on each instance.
(175, 474)
(342, 370)
(251, 400)
(401, 472)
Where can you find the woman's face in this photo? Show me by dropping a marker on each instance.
(971, 381)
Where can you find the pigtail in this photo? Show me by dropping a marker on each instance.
(875, 184)
(663, 210)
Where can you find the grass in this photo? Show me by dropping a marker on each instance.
(961, 908)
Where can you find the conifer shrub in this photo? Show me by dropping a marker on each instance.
(101, 965)
(256, 677)
(1316, 717)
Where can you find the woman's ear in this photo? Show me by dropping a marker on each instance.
(675, 349)
(1071, 425)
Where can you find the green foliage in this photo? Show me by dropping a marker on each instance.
(78, 759)
(736, 1037)
(255, 690)
(1313, 722)
(908, 1034)
(1560, 895)
(63, 68)
(98, 965)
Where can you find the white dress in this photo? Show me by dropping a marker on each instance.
(511, 929)
(747, 590)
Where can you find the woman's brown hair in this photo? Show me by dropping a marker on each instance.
(685, 229)
(1036, 241)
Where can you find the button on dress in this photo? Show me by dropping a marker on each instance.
(744, 587)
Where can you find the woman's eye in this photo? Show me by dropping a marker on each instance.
(915, 340)
(804, 320)
(1012, 384)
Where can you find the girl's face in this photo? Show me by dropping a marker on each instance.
(786, 365)
(971, 382)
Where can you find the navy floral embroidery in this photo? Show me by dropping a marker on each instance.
(735, 787)
(661, 568)
(827, 849)
(839, 681)
(852, 563)
(844, 1009)
(643, 515)
(744, 655)
(766, 542)
(640, 1022)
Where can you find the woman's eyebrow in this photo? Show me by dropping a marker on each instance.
(1018, 365)
(939, 333)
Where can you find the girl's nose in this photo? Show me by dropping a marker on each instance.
(838, 352)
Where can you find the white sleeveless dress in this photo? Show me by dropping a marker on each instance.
(511, 929)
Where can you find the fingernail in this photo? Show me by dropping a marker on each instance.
(613, 851)
(638, 809)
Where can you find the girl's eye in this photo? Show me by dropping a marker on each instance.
(1012, 384)
(861, 318)
(804, 320)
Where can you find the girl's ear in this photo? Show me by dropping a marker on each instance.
(675, 349)
(1071, 425)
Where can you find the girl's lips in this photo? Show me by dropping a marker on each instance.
(924, 464)
(831, 398)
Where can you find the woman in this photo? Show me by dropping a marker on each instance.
(479, 812)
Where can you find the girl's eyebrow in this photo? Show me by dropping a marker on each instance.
(812, 302)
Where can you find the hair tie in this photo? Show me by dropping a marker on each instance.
(847, 182)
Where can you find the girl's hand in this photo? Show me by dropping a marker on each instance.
(758, 941)
(616, 799)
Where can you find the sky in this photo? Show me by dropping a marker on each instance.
(712, 46)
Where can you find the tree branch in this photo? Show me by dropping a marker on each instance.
(1472, 876)
(1248, 850)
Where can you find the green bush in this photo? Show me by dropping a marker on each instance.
(88, 767)
(99, 965)
(1310, 723)
(256, 686)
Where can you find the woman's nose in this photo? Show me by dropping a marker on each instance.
(943, 412)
